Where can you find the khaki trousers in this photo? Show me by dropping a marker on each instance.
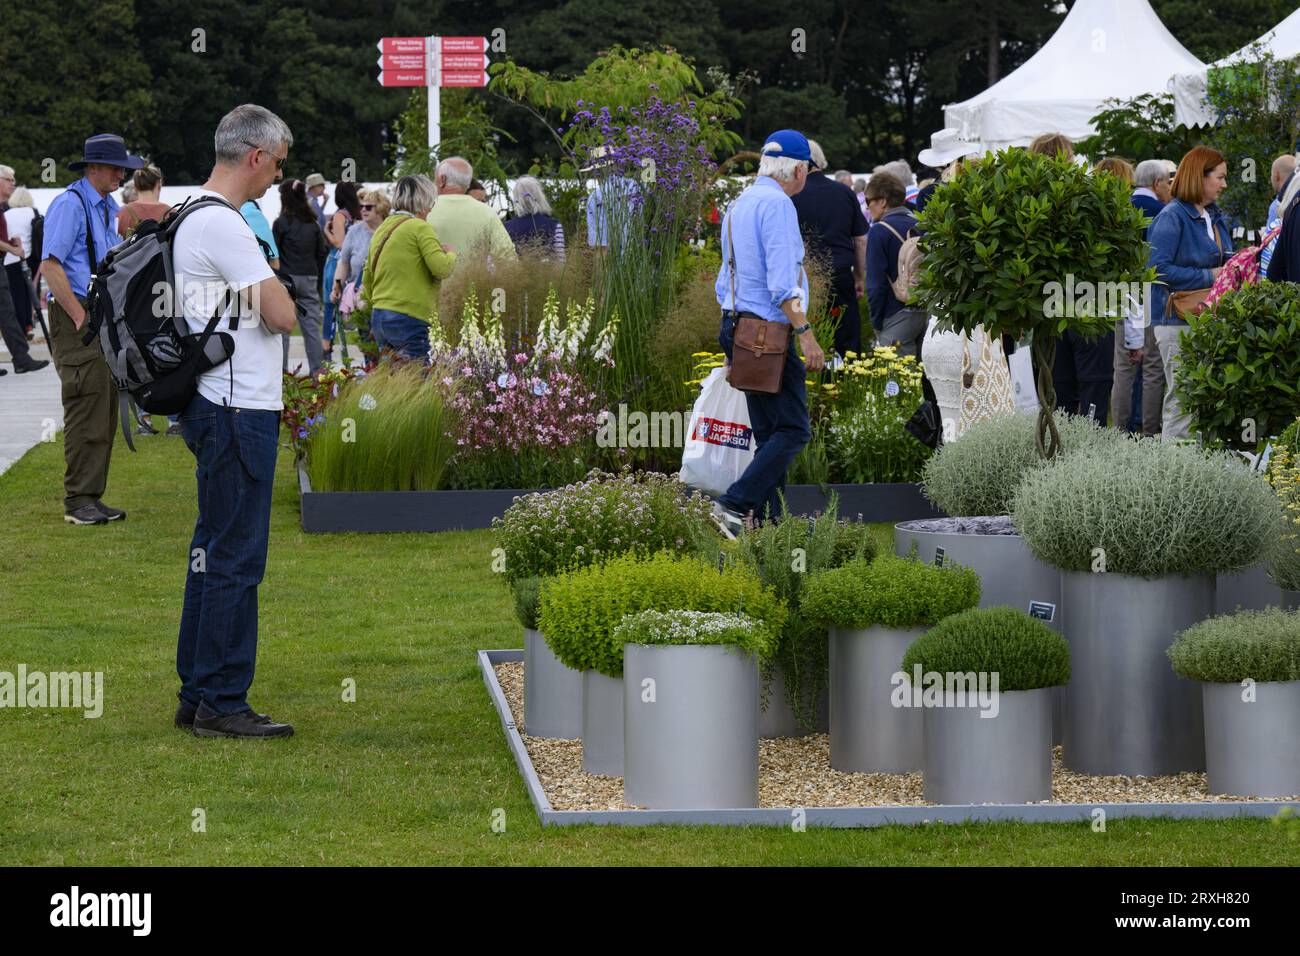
(89, 411)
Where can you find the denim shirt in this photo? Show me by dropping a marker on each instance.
(65, 231)
(1183, 255)
(768, 253)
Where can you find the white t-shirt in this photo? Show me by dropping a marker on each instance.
(18, 221)
(215, 250)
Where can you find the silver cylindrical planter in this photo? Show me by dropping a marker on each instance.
(870, 732)
(602, 724)
(1006, 758)
(1252, 748)
(690, 725)
(1249, 590)
(778, 720)
(552, 692)
(1008, 573)
(1126, 711)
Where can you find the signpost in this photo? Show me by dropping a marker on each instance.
(433, 62)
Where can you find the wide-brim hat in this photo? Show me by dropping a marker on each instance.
(106, 149)
(598, 158)
(946, 147)
(315, 179)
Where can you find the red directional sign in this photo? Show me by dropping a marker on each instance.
(401, 61)
(464, 44)
(463, 78)
(463, 62)
(401, 45)
(403, 77)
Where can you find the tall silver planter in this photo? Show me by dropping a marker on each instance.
(1126, 711)
(602, 724)
(1249, 590)
(552, 692)
(1002, 759)
(690, 727)
(869, 734)
(1252, 749)
(778, 720)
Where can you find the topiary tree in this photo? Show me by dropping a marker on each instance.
(1025, 244)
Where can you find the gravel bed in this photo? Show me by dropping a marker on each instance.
(796, 772)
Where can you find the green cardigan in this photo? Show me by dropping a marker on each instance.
(413, 265)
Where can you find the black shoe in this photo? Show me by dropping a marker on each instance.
(208, 723)
(3, 372)
(31, 366)
(86, 514)
(185, 716)
(112, 514)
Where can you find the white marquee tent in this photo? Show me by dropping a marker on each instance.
(1104, 49)
(1190, 106)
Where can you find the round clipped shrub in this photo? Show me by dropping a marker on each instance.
(695, 627)
(599, 517)
(580, 609)
(977, 474)
(889, 592)
(1025, 653)
(1249, 645)
(1151, 509)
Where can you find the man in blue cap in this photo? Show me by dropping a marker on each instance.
(80, 228)
(760, 234)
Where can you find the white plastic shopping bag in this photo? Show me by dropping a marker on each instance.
(719, 439)
(1022, 379)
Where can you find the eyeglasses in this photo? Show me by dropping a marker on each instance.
(279, 160)
(366, 205)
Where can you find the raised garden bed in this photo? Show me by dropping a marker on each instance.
(563, 795)
(387, 511)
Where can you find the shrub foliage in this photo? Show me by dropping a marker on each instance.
(1025, 653)
(1248, 645)
(889, 592)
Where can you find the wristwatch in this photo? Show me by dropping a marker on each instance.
(803, 328)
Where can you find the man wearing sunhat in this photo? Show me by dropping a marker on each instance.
(316, 196)
(760, 234)
(84, 216)
(946, 148)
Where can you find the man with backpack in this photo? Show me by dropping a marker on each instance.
(893, 266)
(80, 228)
(232, 425)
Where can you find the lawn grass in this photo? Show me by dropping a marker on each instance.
(410, 773)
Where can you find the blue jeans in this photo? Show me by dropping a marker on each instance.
(404, 334)
(234, 450)
(327, 284)
(781, 429)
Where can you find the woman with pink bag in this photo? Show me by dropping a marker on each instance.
(346, 289)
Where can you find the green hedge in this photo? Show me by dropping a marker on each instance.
(889, 592)
(1255, 645)
(1025, 653)
(695, 627)
(580, 609)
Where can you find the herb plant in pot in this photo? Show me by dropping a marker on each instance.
(690, 708)
(984, 679)
(545, 534)
(875, 612)
(1248, 665)
(580, 610)
(1139, 531)
(785, 554)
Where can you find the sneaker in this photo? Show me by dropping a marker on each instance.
(112, 514)
(143, 429)
(3, 372)
(728, 522)
(185, 712)
(174, 428)
(34, 365)
(86, 514)
(246, 724)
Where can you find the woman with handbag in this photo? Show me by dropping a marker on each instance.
(1190, 242)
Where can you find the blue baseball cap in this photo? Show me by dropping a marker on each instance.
(789, 143)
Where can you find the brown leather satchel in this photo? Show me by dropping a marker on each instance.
(1191, 302)
(758, 346)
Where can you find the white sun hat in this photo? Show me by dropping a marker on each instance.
(946, 146)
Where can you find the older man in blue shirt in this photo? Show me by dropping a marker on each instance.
(761, 236)
(83, 216)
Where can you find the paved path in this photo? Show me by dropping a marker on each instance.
(31, 404)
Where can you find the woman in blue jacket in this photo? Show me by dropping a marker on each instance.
(1190, 242)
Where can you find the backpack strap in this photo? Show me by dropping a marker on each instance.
(893, 230)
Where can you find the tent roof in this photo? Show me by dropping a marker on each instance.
(1189, 88)
(1103, 49)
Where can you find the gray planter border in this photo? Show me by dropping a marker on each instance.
(431, 511)
(838, 817)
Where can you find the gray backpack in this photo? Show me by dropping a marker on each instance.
(911, 260)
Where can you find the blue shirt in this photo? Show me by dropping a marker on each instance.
(768, 253)
(65, 231)
(606, 194)
(261, 228)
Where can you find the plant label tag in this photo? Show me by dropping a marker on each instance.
(939, 554)
(1042, 610)
(891, 388)
(722, 561)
